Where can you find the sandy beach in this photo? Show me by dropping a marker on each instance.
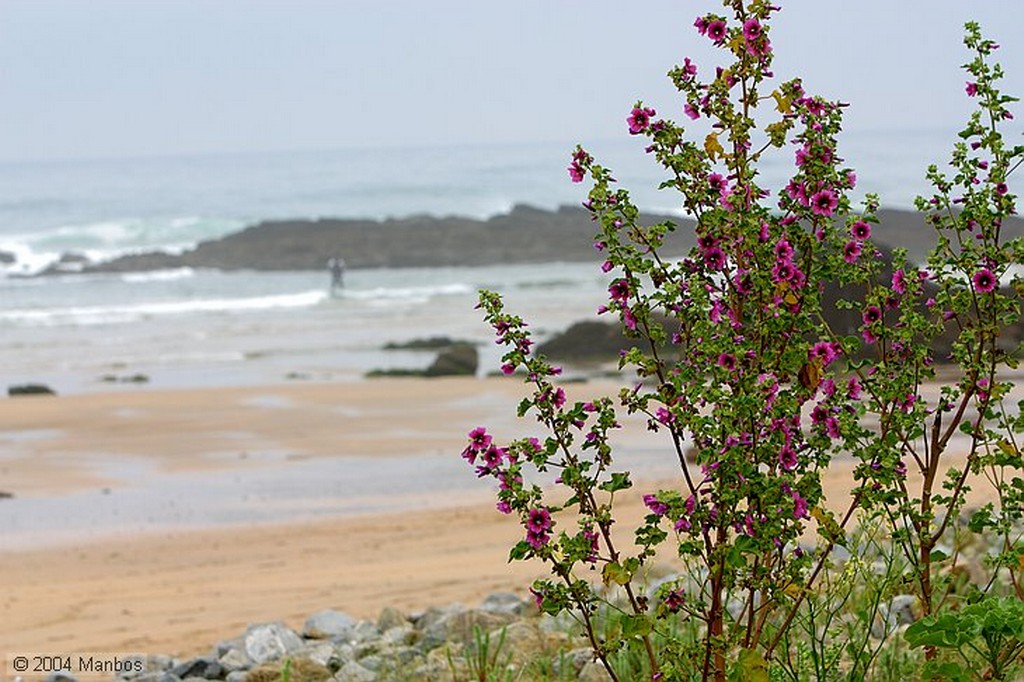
(184, 572)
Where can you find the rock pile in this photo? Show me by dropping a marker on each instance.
(439, 644)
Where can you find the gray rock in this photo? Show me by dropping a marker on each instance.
(156, 676)
(61, 676)
(401, 634)
(234, 659)
(504, 603)
(391, 617)
(575, 660)
(594, 672)
(321, 653)
(270, 641)
(227, 645)
(365, 631)
(329, 624)
(30, 389)
(353, 672)
(206, 667)
(903, 609)
(405, 655)
(236, 676)
(459, 627)
(459, 360)
(375, 663)
(159, 663)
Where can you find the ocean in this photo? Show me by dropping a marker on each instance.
(185, 327)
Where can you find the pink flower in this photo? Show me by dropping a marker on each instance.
(716, 31)
(787, 458)
(629, 319)
(783, 250)
(899, 284)
(727, 360)
(828, 351)
(860, 230)
(537, 539)
(824, 202)
(752, 29)
(664, 416)
(652, 503)
(479, 441)
(800, 506)
(575, 173)
(619, 290)
(851, 251)
(783, 271)
(872, 314)
(1001, 188)
(701, 24)
(714, 258)
(971, 89)
(639, 119)
(985, 280)
(689, 68)
(853, 388)
(691, 111)
(674, 601)
(716, 182)
(538, 520)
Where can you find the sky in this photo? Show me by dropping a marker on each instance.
(111, 79)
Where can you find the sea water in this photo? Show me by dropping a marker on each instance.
(187, 327)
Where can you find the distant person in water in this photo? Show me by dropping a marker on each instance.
(337, 267)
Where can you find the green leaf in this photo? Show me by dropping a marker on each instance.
(619, 481)
(614, 572)
(636, 626)
(947, 672)
(519, 551)
(751, 666)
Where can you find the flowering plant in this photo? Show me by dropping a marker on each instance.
(736, 359)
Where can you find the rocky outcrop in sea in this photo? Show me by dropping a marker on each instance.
(523, 235)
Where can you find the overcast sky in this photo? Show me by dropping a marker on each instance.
(106, 78)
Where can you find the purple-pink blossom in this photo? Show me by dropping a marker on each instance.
(619, 290)
(716, 30)
(824, 202)
(691, 111)
(971, 89)
(871, 314)
(985, 280)
(538, 520)
(800, 506)
(752, 29)
(860, 230)
(639, 119)
(899, 282)
(656, 506)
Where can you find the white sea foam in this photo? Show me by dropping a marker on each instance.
(158, 275)
(113, 314)
(411, 294)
